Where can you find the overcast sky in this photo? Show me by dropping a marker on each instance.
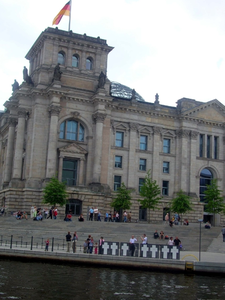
(175, 48)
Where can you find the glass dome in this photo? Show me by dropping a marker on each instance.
(122, 91)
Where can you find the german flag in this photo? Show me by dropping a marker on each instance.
(65, 11)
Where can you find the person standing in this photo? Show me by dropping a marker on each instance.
(167, 218)
(223, 233)
(55, 213)
(101, 242)
(177, 242)
(144, 239)
(91, 244)
(125, 217)
(50, 213)
(170, 242)
(74, 241)
(91, 211)
(132, 246)
(129, 217)
(46, 244)
(68, 241)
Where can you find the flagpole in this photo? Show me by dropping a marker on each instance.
(70, 14)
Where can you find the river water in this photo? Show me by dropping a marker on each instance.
(27, 280)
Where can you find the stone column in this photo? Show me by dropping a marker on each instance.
(99, 120)
(60, 167)
(193, 188)
(18, 155)
(81, 171)
(184, 163)
(52, 141)
(132, 168)
(155, 155)
(9, 153)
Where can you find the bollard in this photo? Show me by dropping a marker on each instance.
(31, 243)
(52, 244)
(11, 241)
(1, 239)
(16, 244)
(42, 243)
(21, 241)
(63, 245)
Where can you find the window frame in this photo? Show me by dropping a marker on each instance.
(164, 167)
(117, 184)
(77, 60)
(117, 162)
(167, 148)
(117, 140)
(61, 60)
(79, 133)
(145, 164)
(89, 63)
(74, 171)
(143, 143)
(165, 188)
(140, 183)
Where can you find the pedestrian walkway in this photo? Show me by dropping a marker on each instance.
(211, 239)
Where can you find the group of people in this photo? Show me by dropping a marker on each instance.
(71, 241)
(161, 235)
(175, 220)
(95, 214)
(90, 246)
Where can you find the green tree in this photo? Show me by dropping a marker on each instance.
(213, 199)
(181, 204)
(55, 192)
(122, 200)
(151, 193)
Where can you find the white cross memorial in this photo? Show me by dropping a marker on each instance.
(165, 250)
(114, 247)
(144, 249)
(154, 250)
(105, 247)
(125, 248)
(174, 252)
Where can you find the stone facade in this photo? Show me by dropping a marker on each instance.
(73, 125)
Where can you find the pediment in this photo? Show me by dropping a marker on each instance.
(72, 148)
(210, 111)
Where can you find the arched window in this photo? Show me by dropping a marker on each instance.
(205, 179)
(61, 58)
(75, 61)
(89, 63)
(72, 130)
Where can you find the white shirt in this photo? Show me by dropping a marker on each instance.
(145, 240)
(170, 243)
(132, 241)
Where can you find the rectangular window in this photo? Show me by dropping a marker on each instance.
(141, 182)
(118, 161)
(119, 139)
(216, 138)
(142, 164)
(166, 167)
(201, 138)
(117, 182)
(166, 145)
(69, 172)
(143, 142)
(165, 188)
(208, 146)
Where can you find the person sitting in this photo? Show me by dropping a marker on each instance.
(19, 215)
(81, 218)
(68, 218)
(171, 223)
(208, 225)
(38, 217)
(186, 222)
(156, 235)
(24, 215)
(2, 212)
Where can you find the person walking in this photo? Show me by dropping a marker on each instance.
(101, 242)
(223, 233)
(74, 242)
(68, 241)
(132, 246)
(46, 244)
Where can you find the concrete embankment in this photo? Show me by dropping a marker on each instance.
(115, 261)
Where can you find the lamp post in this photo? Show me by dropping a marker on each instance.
(200, 238)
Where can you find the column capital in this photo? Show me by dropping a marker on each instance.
(157, 130)
(133, 126)
(183, 133)
(12, 121)
(194, 134)
(99, 117)
(22, 113)
(54, 110)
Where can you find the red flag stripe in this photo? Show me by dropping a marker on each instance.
(65, 11)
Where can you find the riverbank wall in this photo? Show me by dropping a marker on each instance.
(133, 263)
